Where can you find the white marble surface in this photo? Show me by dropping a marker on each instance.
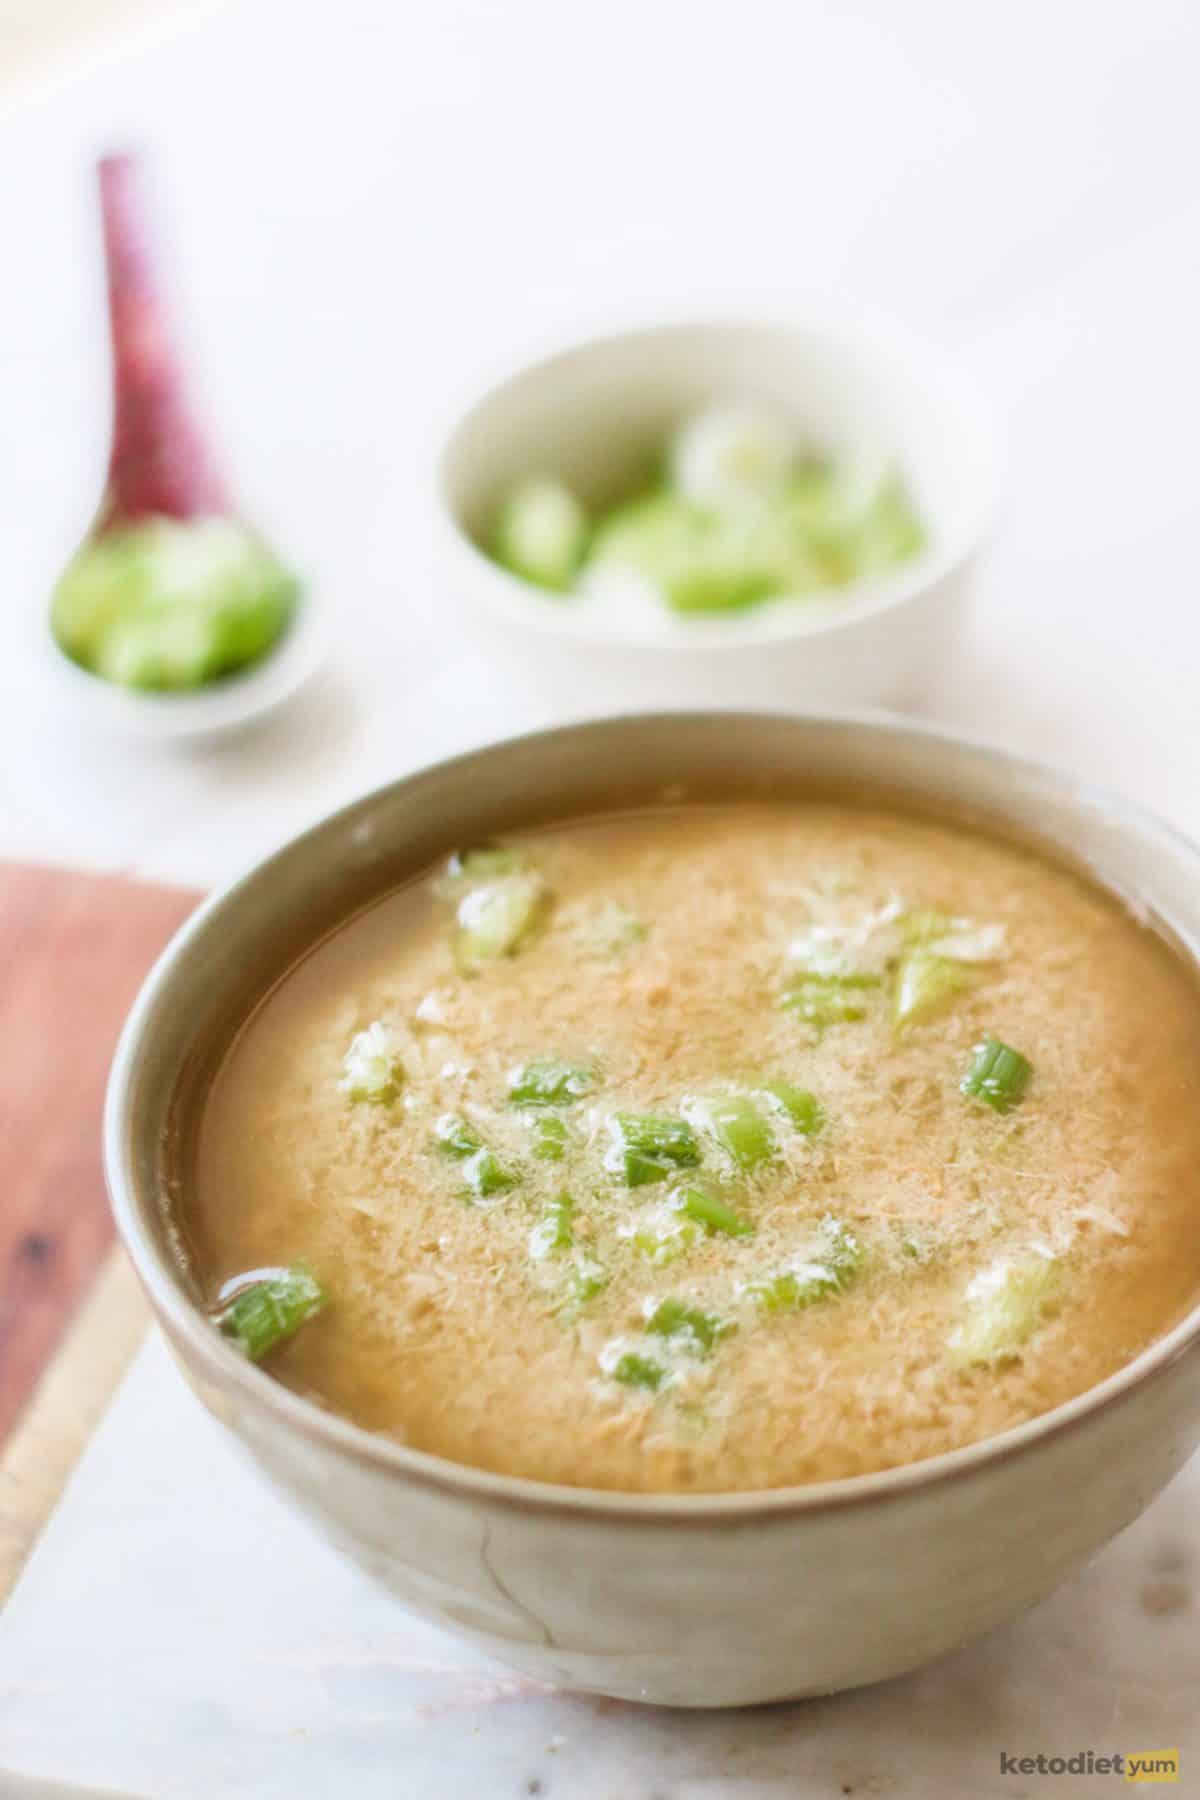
(370, 202)
(180, 1636)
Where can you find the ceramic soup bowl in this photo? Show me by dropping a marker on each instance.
(713, 1600)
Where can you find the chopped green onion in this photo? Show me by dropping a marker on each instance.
(797, 1104)
(470, 868)
(585, 1279)
(664, 1233)
(998, 1075)
(268, 1312)
(550, 1083)
(638, 1371)
(1003, 1307)
(542, 533)
(371, 1067)
(455, 1137)
(697, 1331)
(836, 1260)
(889, 532)
(698, 560)
(484, 1175)
(734, 1123)
(958, 940)
(555, 1229)
(649, 1147)
(548, 1138)
(496, 918)
(822, 1000)
(731, 457)
(498, 899)
(169, 603)
(925, 925)
(925, 982)
(702, 1205)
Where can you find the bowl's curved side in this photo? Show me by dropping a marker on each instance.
(897, 653)
(688, 1599)
(737, 1612)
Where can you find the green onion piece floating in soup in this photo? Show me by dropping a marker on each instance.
(663, 1232)
(585, 1279)
(499, 900)
(705, 1208)
(925, 983)
(1003, 1307)
(937, 961)
(634, 1370)
(650, 1147)
(471, 868)
(835, 1260)
(802, 1109)
(495, 919)
(271, 1309)
(456, 1137)
(689, 1327)
(924, 925)
(548, 1082)
(371, 1068)
(962, 940)
(998, 1075)
(554, 1230)
(735, 1125)
(822, 1000)
(547, 1137)
(484, 1175)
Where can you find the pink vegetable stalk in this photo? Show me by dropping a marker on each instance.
(159, 462)
(169, 590)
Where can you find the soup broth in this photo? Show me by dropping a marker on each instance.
(718, 1148)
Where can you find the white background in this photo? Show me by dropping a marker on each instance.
(368, 203)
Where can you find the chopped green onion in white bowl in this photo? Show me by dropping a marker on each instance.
(726, 511)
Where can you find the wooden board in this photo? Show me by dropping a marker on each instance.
(73, 950)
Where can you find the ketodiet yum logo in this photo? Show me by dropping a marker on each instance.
(1127, 1765)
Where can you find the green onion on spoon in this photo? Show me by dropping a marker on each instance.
(170, 593)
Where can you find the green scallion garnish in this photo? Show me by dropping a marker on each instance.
(696, 1330)
(822, 1000)
(633, 1370)
(555, 1229)
(547, 1137)
(271, 1309)
(998, 1075)
(650, 1146)
(550, 1082)
(801, 1108)
(735, 1125)
(702, 1205)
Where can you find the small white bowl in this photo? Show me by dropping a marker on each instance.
(195, 714)
(588, 413)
